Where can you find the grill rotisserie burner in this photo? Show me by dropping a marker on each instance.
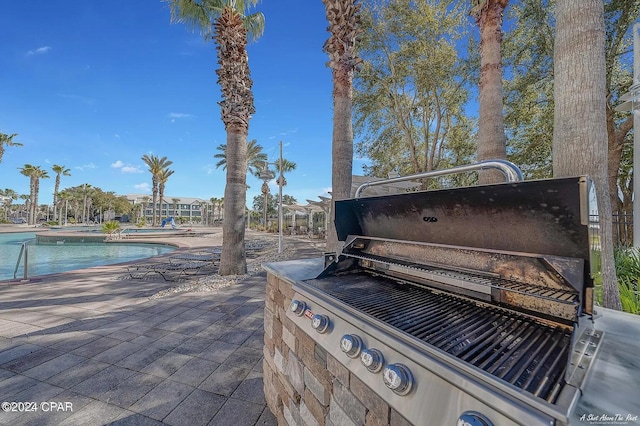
(527, 354)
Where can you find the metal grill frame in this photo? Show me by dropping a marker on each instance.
(461, 377)
(503, 341)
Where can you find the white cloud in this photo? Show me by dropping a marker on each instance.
(178, 115)
(88, 166)
(126, 168)
(117, 136)
(39, 51)
(131, 169)
(144, 187)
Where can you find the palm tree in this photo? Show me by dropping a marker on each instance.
(255, 157)
(344, 26)
(156, 166)
(287, 166)
(85, 190)
(59, 171)
(579, 130)
(27, 205)
(232, 28)
(8, 141)
(145, 204)
(35, 173)
(10, 195)
(162, 181)
(175, 202)
(220, 204)
(63, 198)
(214, 204)
(491, 138)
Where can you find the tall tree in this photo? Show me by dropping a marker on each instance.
(27, 204)
(528, 54)
(10, 195)
(344, 26)
(59, 171)
(528, 57)
(287, 166)
(410, 91)
(175, 202)
(491, 138)
(84, 192)
(156, 166)
(580, 131)
(255, 157)
(64, 197)
(233, 26)
(619, 15)
(35, 173)
(8, 141)
(163, 177)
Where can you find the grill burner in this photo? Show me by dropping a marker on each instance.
(527, 354)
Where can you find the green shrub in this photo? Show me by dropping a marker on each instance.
(629, 296)
(110, 227)
(628, 272)
(627, 263)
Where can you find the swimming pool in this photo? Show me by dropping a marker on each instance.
(53, 258)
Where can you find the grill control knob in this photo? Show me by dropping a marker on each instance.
(298, 307)
(351, 345)
(320, 323)
(398, 378)
(372, 359)
(472, 418)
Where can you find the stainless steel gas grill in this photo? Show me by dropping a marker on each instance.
(468, 306)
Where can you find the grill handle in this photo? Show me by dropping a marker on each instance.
(510, 171)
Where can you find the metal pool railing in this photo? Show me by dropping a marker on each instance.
(24, 252)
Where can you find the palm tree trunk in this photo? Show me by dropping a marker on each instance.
(233, 259)
(344, 25)
(33, 207)
(342, 151)
(580, 132)
(491, 137)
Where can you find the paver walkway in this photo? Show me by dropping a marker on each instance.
(88, 348)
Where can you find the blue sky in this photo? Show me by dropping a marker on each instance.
(95, 85)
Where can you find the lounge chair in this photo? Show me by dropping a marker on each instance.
(211, 257)
(169, 271)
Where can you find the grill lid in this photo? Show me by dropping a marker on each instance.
(525, 244)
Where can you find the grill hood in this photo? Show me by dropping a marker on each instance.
(531, 245)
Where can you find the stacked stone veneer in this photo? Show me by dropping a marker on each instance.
(303, 384)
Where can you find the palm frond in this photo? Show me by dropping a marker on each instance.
(199, 15)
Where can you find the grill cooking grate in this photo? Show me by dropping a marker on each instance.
(514, 348)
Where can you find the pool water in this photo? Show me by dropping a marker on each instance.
(53, 258)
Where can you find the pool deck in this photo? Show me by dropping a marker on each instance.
(90, 347)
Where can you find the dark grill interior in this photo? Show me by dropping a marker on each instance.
(512, 347)
(547, 293)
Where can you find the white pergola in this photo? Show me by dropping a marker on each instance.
(324, 205)
(306, 210)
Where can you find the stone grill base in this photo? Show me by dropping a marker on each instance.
(303, 384)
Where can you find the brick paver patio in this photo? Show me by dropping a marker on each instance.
(91, 348)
